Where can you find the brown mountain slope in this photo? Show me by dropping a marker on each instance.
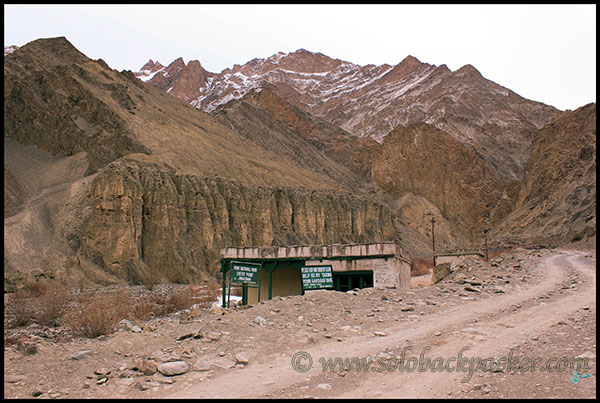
(164, 185)
(370, 101)
(269, 120)
(557, 199)
(423, 160)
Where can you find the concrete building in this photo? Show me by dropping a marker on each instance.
(378, 265)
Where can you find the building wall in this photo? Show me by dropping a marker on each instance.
(390, 272)
(283, 283)
(387, 273)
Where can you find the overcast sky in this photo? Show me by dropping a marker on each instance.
(545, 53)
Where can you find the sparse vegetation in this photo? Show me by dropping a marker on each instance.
(38, 301)
(420, 267)
(90, 314)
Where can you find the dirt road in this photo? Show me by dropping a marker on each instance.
(534, 304)
(489, 327)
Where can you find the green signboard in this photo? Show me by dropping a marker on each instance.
(315, 277)
(245, 273)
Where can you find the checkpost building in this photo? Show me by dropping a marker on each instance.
(266, 272)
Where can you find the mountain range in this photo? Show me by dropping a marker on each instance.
(116, 177)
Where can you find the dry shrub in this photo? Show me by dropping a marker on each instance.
(420, 267)
(38, 301)
(50, 305)
(98, 315)
(143, 310)
(209, 296)
(181, 299)
(35, 288)
(26, 348)
(21, 307)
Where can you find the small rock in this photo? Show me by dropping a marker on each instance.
(186, 354)
(406, 308)
(437, 334)
(37, 393)
(81, 355)
(173, 368)
(147, 367)
(221, 353)
(185, 336)
(379, 333)
(324, 386)
(213, 336)
(14, 378)
(587, 354)
(241, 358)
(167, 381)
(202, 365)
(259, 320)
(141, 386)
(224, 363)
(199, 334)
(137, 329)
(101, 381)
(102, 371)
(126, 325)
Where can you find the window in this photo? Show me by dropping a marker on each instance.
(346, 281)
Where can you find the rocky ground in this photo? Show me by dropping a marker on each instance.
(541, 301)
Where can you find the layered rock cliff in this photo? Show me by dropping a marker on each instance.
(117, 181)
(150, 224)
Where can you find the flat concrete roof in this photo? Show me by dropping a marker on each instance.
(360, 250)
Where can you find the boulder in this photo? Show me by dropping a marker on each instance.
(173, 368)
(440, 272)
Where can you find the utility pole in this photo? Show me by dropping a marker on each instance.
(485, 231)
(433, 237)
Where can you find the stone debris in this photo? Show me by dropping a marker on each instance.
(14, 378)
(223, 362)
(102, 371)
(259, 320)
(202, 365)
(185, 336)
(213, 336)
(173, 368)
(81, 355)
(241, 358)
(147, 367)
(292, 320)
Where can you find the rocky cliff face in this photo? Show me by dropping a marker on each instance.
(118, 181)
(556, 202)
(150, 224)
(423, 160)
